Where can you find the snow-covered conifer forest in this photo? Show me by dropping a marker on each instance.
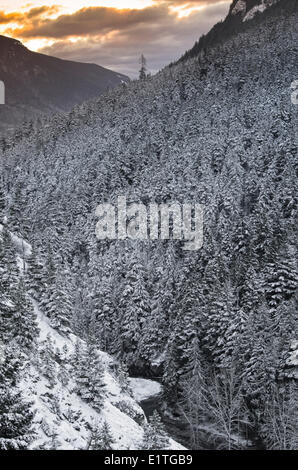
(217, 327)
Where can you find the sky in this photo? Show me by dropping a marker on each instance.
(111, 33)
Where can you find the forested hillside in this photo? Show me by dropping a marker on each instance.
(58, 391)
(241, 14)
(218, 324)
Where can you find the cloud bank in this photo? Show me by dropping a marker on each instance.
(116, 38)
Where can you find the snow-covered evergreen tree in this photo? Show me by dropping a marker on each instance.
(155, 437)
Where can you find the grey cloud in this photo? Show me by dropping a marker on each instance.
(161, 41)
(90, 21)
(101, 20)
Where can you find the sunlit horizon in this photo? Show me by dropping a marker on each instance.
(111, 33)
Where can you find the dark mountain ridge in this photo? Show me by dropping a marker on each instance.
(37, 83)
(237, 22)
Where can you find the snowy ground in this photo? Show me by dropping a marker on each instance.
(61, 412)
(143, 388)
(62, 419)
(292, 361)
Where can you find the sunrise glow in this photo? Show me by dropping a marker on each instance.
(185, 10)
(112, 33)
(69, 6)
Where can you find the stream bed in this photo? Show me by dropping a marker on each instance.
(148, 393)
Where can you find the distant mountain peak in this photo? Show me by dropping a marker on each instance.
(38, 84)
(7, 41)
(247, 9)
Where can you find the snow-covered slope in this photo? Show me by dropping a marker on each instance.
(249, 8)
(238, 19)
(240, 7)
(292, 361)
(61, 412)
(63, 420)
(258, 9)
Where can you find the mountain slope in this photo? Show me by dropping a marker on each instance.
(247, 9)
(36, 83)
(51, 379)
(241, 14)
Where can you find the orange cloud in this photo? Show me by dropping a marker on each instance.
(9, 17)
(37, 21)
(89, 21)
(41, 11)
(29, 16)
(188, 3)
(116, 37)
